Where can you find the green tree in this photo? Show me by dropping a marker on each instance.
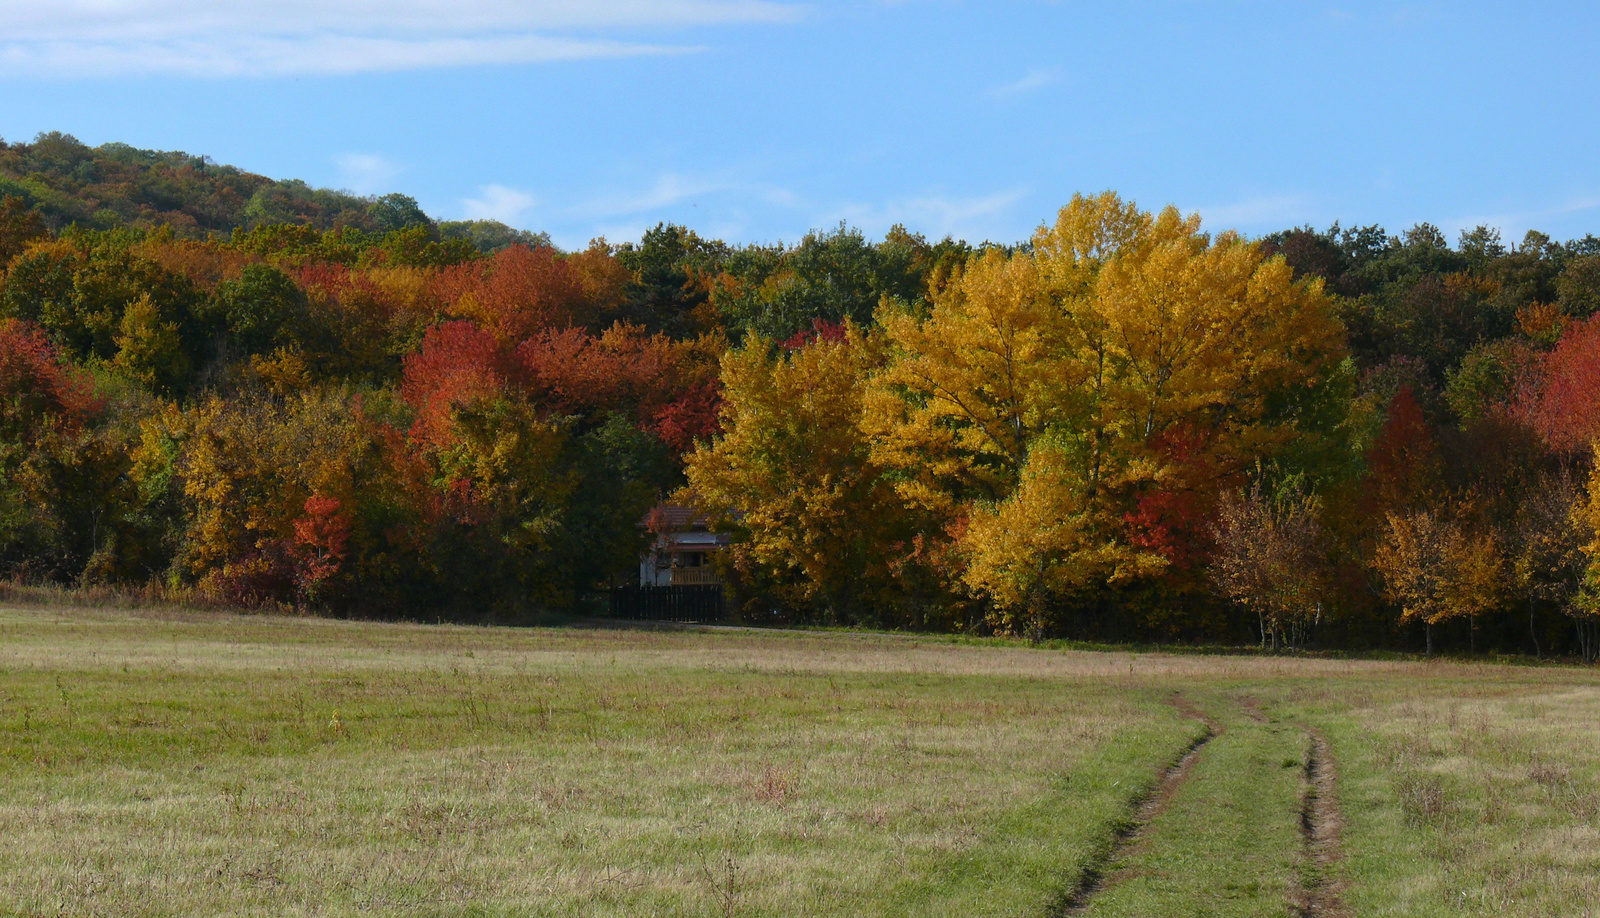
(262, 310)
(20, 225)
(490, 236)
(1578, 288)
(398, 212)
(672, 268)
(829, 277)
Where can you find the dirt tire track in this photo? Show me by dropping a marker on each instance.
(1317, 895)
(1100, 873)
(1252, 709)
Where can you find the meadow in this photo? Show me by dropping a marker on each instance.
(160, 762)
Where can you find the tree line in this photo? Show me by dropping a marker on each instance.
(1123, 428)
(1130, 429)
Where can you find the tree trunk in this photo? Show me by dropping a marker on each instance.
(1429, 652)
(1533, 630)
(1036, 606)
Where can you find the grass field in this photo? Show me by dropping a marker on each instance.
(199, 764)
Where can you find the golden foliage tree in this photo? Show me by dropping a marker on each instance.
(1586, 610)
(149, 350)
(1435, 569)
(793, 472)
(247, 470)
(1545, 542)
(1123, 354)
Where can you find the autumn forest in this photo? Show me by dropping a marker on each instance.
(1129, 427)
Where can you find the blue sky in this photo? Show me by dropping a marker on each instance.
(755, 120)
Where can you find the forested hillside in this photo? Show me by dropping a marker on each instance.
(1126, 427)
(113, 186)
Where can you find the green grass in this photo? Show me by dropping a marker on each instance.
(163, 763)
(1226, 844)
(1480, 795)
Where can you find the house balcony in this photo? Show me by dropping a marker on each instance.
(695, 576)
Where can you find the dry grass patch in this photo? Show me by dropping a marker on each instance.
(194, 764)
(178, 763)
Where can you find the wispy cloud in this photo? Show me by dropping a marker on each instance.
(366, 173)
(1278, 211)
(1037, 78)
(328, 55)
(935, 213)
(498, 202)
(1514, 224)
(672, 188)
(288, 37)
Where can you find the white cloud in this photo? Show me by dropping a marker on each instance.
(671, 189)
(285, 37)
(498, 202)
(248, 57)
(366, 173)
(935, 214)
(1513, 226)
(162, 19)
(1037, 78)
(1277, 211)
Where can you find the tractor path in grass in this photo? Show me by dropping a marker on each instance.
(1244, 823)
(1320, 825)
(1103, 871)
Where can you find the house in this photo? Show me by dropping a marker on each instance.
(682, 552)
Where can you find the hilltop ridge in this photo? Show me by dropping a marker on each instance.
(118, 185)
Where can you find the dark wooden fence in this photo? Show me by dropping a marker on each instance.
(682, 603)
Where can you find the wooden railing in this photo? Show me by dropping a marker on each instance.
(695, 576)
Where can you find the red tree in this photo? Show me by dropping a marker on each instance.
(1172, 520)
(1404, 462)
(515, 294)
(657, 380)
(458, 363)
(820, 330)
(695, 415)
(321, 539)
(36, 386)
(1560, 398)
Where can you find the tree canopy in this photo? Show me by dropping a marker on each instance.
(1126, 427)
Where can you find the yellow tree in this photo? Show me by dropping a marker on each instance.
(972, 385)
(1585, 611)
(149, 350)
(247, 469)
(1123, 354)
(793, 473)
(1205, 334)
(1546, 540)
(1436, 570)
(1048, 536)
